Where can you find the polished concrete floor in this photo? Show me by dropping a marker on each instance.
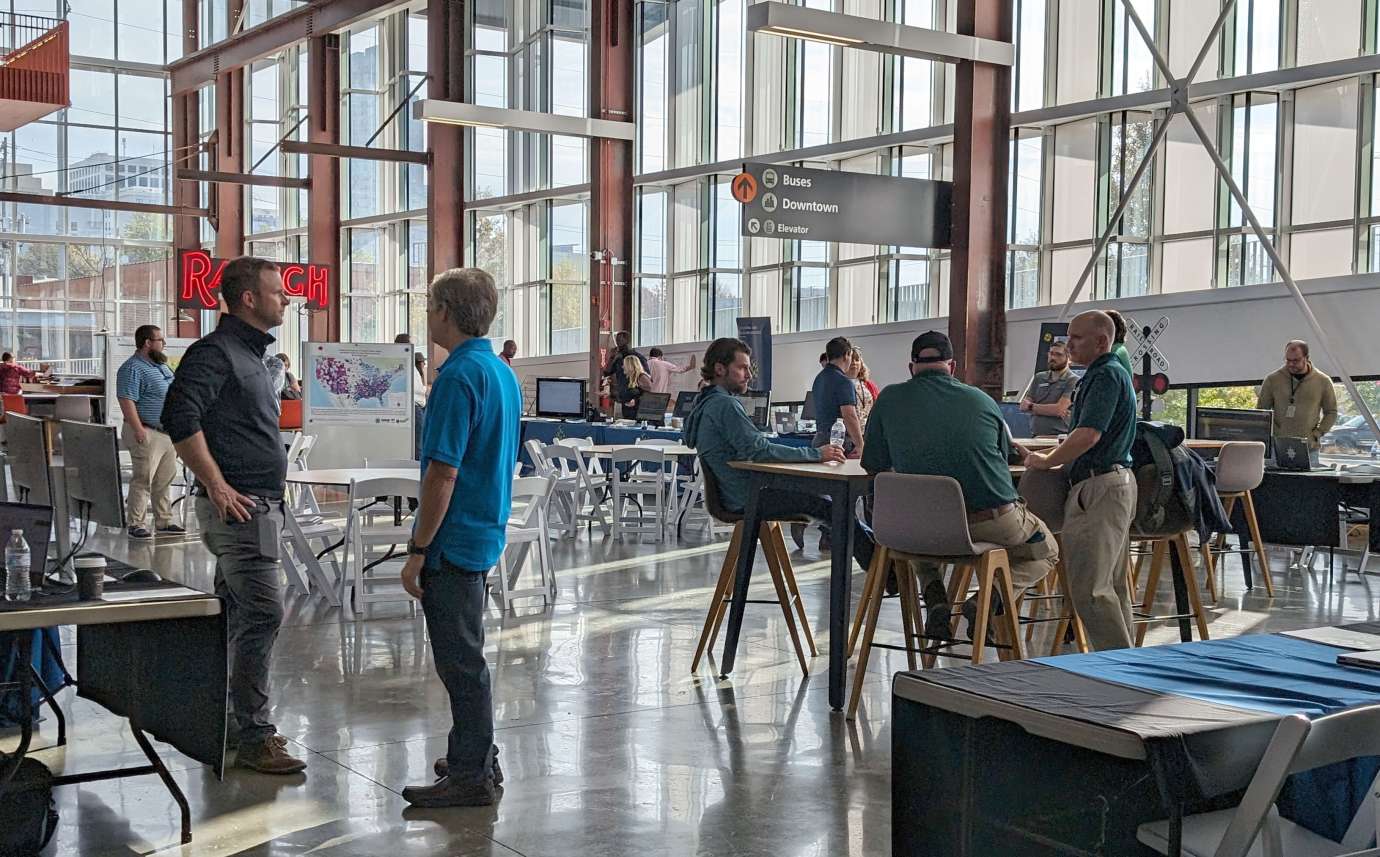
(609, 745)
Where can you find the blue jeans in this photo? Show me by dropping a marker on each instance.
(453, 602)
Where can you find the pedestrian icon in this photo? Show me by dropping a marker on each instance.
(769, 203)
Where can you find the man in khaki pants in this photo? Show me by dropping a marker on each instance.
(936, 425)
(1102, 500)
(141, 385)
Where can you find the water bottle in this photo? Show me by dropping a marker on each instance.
(17, 561)
(838, 435)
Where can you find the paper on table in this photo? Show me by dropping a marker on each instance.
(151, 594)
(1339, 637)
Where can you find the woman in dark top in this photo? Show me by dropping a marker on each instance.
(292, 389)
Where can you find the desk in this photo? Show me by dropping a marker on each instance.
(843, 484)
(316, 581)
(1117, 739)
(159, 663)
(1300, 509)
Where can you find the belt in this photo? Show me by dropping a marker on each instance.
(989, 514)
(1102, 470)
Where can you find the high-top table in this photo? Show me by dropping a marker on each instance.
(843, 484)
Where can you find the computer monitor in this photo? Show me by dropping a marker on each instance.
(807, 410)
(1017, 421)
(1240, 424)
(685, 400)
(563, 398)
(759, 408)
(652, 407)
(37, 523)
(27, 439)
(91, 466)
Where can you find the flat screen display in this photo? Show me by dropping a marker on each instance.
(1238, 424)
(563, 398)
(685, 400)
(652, 407)
(759, 409)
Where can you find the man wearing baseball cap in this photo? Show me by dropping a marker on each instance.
(936, 425)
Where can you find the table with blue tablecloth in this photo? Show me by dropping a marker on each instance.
(1068, 755)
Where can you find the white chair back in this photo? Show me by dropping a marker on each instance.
(1240, 466)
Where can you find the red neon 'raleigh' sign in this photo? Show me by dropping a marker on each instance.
(198, 281)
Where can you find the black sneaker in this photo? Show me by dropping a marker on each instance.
(938, 612)
(172, 530)
(442, 768)
(798, 536)
(970, 613)
(140, 533)
(446, 792)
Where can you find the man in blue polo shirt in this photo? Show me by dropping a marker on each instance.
(141, 385)
(836, 398)
(469, 445)
(1102, 499)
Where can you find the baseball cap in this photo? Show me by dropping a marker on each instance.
(931, 341)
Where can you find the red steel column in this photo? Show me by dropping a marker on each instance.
(982, 132)
(611, 179)
(229, 158)
(323, 197)
(186, 133)
(445, 187)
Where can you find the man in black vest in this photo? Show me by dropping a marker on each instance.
(630, 374)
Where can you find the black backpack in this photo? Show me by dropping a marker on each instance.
(1163, 508)
(28, 816)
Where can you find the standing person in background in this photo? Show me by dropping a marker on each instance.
(1119, 342)
(467, 456)
(403, 339)
(12, 374)
(1049, 398)
(222, 416)
(419, 396)
(292, 388)
(141, 385)
(509, 351)
(662, 370)
(1097, 457)
(836, 398)
(1301, 397)
(629, 374)
(866, 391)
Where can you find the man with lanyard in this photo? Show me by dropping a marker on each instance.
(467, 456)
(1302, 397)
(222, 415)
(1102, 501)
(630, 374)
(141, 385)
(936, 425)
(1050, 395)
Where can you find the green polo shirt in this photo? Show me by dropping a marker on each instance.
(1105, 401)
(936, 425)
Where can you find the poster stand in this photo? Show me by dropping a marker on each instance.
(357, 402)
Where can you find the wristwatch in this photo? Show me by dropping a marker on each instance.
(414, 549)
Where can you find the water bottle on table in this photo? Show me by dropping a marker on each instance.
(838, 435)
(18, 558)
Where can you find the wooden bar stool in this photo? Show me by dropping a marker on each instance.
(1159, 551)
(782, 577)
(943, 539)
(1240, 470)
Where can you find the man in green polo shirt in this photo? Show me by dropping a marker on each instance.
(1102, 501)
(936, 425)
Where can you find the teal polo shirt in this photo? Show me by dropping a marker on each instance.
(1105, 401)
(936, 425)
(473, 417)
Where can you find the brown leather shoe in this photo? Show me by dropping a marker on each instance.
(447, 792)
(442, 768)
(269, 757)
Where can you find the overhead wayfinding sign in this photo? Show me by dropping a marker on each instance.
(826, 205)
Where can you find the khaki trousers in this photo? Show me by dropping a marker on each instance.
(1030, 547)
(1097, 522)
(155, 467)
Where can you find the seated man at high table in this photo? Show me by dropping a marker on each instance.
(936, 425)
(720, 431)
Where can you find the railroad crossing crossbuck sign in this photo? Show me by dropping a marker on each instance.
(1147, 337)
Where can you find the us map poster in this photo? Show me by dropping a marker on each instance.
(358, 384)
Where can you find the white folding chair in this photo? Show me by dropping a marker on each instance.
(535, 451)
(595, 468)
(639, 480)
(363, 538)
(579, 498)
(1254, 828)
(527, 526)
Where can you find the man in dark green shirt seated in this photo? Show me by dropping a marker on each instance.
(720, 431)
(1102, 501)
(936, 425)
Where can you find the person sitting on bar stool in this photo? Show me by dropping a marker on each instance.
(720, 431)
(936, 425)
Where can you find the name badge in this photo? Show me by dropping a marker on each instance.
(1289, 412)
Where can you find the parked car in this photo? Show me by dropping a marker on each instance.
(1350, 436)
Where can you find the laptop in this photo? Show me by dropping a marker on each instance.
(37, 524)
(685, 402)
(1294, 453)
